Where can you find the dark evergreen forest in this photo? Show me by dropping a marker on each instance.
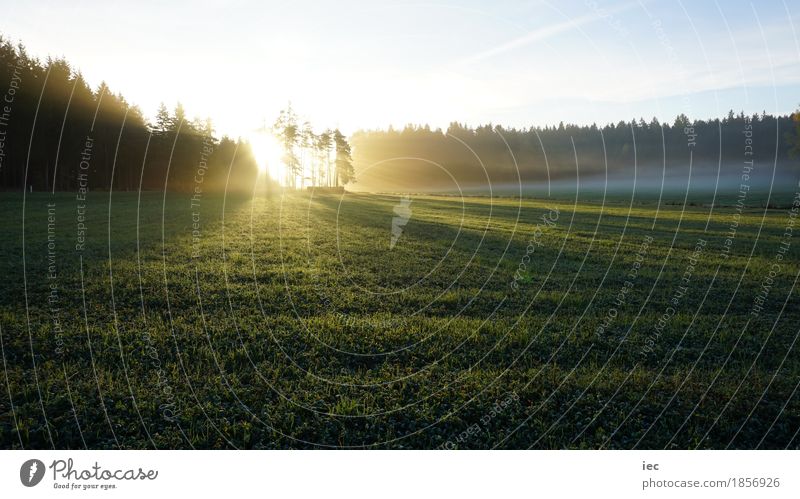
(59, 134)
(492, 153)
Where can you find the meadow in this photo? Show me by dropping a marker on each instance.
(291, 320)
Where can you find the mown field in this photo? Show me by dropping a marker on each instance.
(291, 322)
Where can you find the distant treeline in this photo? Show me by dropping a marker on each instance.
(418, 157)
(56, 133)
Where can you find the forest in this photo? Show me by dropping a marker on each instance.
(59, 134)
(495, 154)
(50, 112)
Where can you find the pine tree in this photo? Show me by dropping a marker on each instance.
(344, 161)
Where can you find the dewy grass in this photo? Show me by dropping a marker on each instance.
(298, 321)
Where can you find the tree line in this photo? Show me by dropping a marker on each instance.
(307, 155)
(421, 157)
(48, 114)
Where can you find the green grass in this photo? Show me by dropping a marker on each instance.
(295, 325)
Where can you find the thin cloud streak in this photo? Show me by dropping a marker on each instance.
(540, 34)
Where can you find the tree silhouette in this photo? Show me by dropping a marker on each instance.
(42, 144)
(71, 113)
(344, 162)
(285, 128)
(793, 137)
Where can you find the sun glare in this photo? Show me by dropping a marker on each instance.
(268, 153)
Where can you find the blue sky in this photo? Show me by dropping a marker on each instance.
(368, 64)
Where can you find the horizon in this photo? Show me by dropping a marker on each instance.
(413, 74)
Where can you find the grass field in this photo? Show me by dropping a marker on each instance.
(291, 322)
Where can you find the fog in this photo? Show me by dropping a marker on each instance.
(703, 184)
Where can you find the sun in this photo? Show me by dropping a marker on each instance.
(268, 153)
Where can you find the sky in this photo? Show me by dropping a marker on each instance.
(358, 64)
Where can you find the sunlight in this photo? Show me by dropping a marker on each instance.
(268, 153)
